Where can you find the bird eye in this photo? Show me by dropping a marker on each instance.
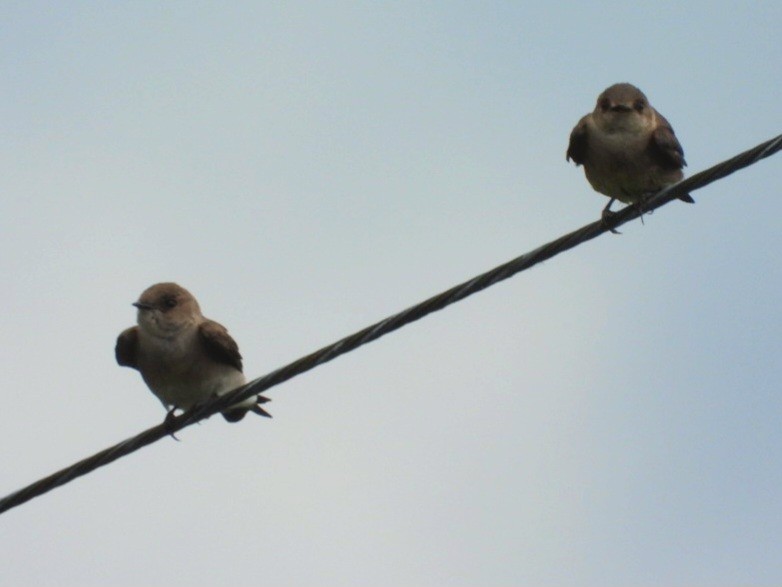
(639, 105)
(169, 301)
(605, 104)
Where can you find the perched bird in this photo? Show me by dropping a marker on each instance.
(184, 358)
(627, 148)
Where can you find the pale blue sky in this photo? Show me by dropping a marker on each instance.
(611, 417)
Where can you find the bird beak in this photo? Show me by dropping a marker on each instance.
(142, 306)
(621, 108)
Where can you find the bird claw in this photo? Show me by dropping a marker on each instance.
(168, 423)
(607, 218)
(641, 203)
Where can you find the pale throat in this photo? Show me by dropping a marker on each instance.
(166, 331)
(626, 124)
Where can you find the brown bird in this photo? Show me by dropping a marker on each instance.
(628, 149)
(184, 358)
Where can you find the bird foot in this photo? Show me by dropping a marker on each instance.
(607, 218)
(168, 423)
(641, 204)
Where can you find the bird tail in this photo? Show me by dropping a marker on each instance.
(236, 414)
(256, 408)
(687, 198)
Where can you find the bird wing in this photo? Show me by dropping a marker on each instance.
(665, 147)
(576, 150)
(219, 345)
(126, 349)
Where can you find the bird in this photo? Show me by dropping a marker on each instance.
(629, 150)
(184, 358)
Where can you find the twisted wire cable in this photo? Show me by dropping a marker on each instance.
(375, 331)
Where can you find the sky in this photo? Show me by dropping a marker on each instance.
(609, 417)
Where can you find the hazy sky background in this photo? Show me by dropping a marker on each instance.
(611, 417)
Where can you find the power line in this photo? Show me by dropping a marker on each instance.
(392, 323)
